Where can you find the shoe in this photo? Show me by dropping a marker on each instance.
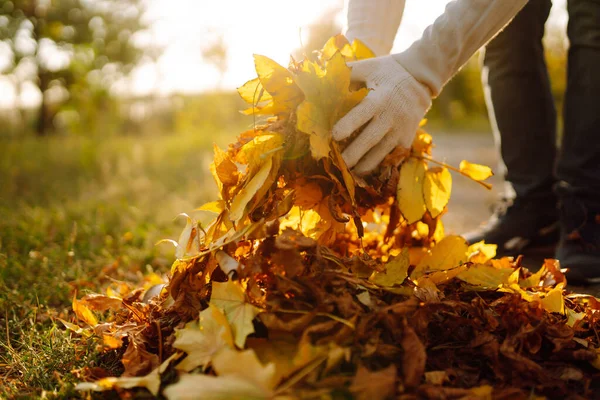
(579, 247)
(521, 226)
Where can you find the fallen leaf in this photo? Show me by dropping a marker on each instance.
(476, 172)
(241, 200)
(437, 189)
(230, 298)
(206, 387)
(449, 253)
(83, 313)
(377, 385)
(396, 271)
(410, 190)
(202, 339)
(245, 365)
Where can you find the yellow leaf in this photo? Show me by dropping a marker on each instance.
(245, 365)
(422, 143)
(441, 277)
(361, 51)
(396, 271)
(410, 190)
(553, 301)
(206, 387)
(487, 276)
(190, 239)
(437, 189)
(327, 98)
(481, 252)
(252, 92)
(259, 150)
(241, 200)
(84, 313)
(202, 339)
(214, 206)
(574, 317)
(229, 297)
(476, 172)
(225, 168)
(449, 253)
(279, 83)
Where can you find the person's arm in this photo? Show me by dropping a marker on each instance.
(403, 84)
(374, 22)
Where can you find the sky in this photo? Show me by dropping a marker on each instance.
(269, 27)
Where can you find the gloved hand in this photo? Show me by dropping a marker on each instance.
(392, 111)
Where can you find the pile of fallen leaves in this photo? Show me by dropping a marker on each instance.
(311, 282)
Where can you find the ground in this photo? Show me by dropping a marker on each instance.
(77, 214)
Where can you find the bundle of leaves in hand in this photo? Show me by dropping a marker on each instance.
(311, 282)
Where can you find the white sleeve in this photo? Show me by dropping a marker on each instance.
(463, 28)
(374, 22)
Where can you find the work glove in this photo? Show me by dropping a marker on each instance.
(403, 84)
(390, 113)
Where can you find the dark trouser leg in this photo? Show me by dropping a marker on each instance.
(520, 102)
(579, 161)
(522, 113)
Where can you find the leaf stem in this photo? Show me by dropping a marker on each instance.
(450, 167)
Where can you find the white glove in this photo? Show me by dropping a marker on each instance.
(403, 84)
(392, 111)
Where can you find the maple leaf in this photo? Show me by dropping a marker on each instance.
(229, 297)
(378, 385)
(476, 172)
(437, 189)
(327, 98)
(283, 93)
(202, 339)
(410, 190)
(351, 52)
(396, 271)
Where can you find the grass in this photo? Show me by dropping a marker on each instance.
(76, 213)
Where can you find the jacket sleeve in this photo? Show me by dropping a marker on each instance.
(374, 22)
(447, 44)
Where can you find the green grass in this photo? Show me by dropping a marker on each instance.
(74, 214)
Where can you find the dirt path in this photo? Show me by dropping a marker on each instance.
(471, 204)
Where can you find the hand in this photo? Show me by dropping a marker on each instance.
(392, 111)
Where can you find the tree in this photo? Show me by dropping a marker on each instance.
(66, 46)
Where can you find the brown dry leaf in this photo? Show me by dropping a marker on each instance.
(225, 168)
(413, 357)
(243, 198)
(137, 360)
(378, 385)
(99, 302)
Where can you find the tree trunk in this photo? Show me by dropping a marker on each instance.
(44, 121)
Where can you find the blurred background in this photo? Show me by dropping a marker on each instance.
(108, 113)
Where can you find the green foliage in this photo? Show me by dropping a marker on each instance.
(73, 49)
(72, 211)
